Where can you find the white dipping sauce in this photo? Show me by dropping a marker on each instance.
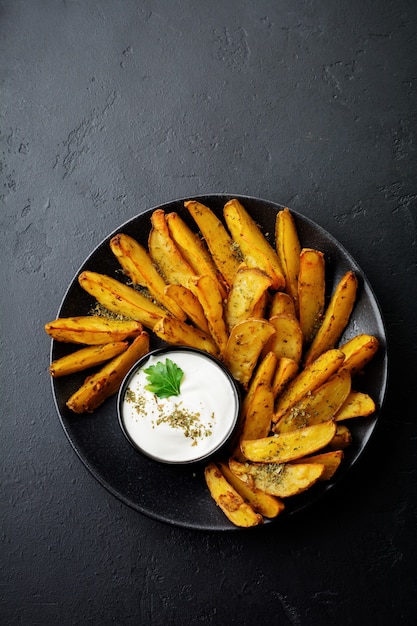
(182, 428)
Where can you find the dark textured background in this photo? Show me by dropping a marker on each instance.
(109, 108)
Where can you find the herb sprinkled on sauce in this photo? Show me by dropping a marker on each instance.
(138, 401)
(187, 421)
(179, 417)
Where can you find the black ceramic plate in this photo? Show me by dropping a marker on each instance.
(178, 495)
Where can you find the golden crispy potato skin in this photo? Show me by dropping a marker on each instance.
(308, 379)
(92, 329)
(318, 406)
(342, 438)
(244, 346)
(221, 245)
(256, 250)
(282, 480)
(291, 445)
(120, 298)
(335, 317)
(209, 295)
(356, 404)
(263, 375)
(165, 254)
(248, 288)
(263, 503)
(259, 413)
(286, 370)
(137, 264)
(190, 304)
(85, 358)
(194, 250)
(287, 342)
(178, 333)
(311, 292)
(229, 500)
(288, 249)
(359, 351)
(282, 302)
(106, 382)
(331, 461)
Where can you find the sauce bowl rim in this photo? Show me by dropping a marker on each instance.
(201, 353)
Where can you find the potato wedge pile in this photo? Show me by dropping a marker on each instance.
(260, 308)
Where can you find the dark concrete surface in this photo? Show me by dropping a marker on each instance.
(109, 108)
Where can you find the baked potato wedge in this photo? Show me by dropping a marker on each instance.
(289, 446)
(256, 250)
(335, 318)
(224, 251)
(358, 352)
(193, 250)
(342, 438)
(249, 286)
(311, 292)
(92, 329)
(319, 406)
(285, 371)
(260, 380)
(288, 249)
(106, 382)
(165, 254)
(208, 293)
(138, 265)
(281, 302)
(260, 307)
(331, 461)
(263, 375)
(263, 503)
(83, 359)
(178, 333)
(287, 342)
(308, 380)
(357, 404)
(120, 298)
(190, 304)
(281, 480)
(244, 346)
(236, 509)
(258, 413)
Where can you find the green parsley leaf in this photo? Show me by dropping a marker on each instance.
(164, 379)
